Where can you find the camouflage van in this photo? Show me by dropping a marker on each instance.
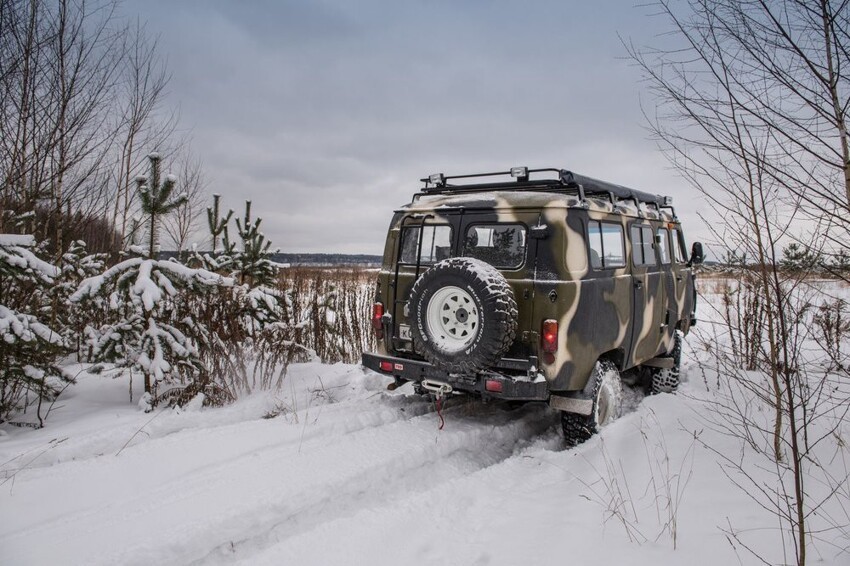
(535, 285)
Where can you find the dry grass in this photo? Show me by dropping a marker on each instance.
(333, 305)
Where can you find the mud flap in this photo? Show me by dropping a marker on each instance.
(571, 404)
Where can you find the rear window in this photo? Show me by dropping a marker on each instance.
(436, 244)
(500, 245)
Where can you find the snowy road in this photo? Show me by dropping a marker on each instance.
(350, 474)
(214, 493)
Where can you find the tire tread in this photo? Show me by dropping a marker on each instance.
(498, 300)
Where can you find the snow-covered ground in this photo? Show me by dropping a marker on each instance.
(343, 471)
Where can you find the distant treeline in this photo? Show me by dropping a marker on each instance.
(304, 259)
(328, 259)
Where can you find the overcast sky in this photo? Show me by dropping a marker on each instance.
(327, 113)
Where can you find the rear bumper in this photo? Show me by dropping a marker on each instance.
(403, 369)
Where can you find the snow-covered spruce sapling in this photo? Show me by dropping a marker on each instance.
(251, 333)
(216, 223)
(148, 333)
(29, 347)
(78, 322)
(258, 298)
(267, 307)
(156, 198)
(220, 259)
(256, 267)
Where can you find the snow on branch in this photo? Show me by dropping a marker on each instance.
(21, 258)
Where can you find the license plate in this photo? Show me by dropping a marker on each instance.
(404, 332)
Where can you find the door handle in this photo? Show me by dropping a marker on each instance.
(679, 278)
(638, 284)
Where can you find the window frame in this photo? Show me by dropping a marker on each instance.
(605, 267)
(668, 247)
(642, 227)
(522, 225)
(679, 244)
(407, 229)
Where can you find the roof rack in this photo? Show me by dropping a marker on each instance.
(566, 181)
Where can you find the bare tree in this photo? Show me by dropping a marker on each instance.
(752, 106)
(142, 125)
(81, 103)
(59, 77)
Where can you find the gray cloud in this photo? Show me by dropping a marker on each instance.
(326, 114)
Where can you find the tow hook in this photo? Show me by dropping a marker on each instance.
(438, 388)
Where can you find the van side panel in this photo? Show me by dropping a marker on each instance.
(599, 321)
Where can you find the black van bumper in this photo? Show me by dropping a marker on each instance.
(488, 384)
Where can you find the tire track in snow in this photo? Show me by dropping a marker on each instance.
(530, 435)
(285, 487)
(436, 501)
(480, 444)
(386, 410)
(167, 426)
(105, 494)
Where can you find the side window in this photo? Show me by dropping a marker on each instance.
(606, 245)
(436, 244)
(662, 238)
(500, 245)
(678, 245)
(642, 245)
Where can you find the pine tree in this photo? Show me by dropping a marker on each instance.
(248, 332)
(147, 333)
(797, 258)
(30, 347)
(840, 262)
(156, 198)
(251, 266)
(254, 261)
(147, 330)
(78, 321)
(217, 225)
(220, 259)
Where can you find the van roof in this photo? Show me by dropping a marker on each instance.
(510, 201)
(564, 182)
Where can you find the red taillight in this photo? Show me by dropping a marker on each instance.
(493, 385)
(386, 366)
(377, 322)
(549, 336)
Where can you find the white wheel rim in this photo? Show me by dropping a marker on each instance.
(453, 319)
(604, 403)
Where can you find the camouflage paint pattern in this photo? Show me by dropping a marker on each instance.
(627, 314)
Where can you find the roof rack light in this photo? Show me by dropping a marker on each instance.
(519, 173)
(668, 201)
(437, 179)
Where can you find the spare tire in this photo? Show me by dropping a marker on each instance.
(464, 315)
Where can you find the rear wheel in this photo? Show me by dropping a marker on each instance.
(666, 380)
(607, 405)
